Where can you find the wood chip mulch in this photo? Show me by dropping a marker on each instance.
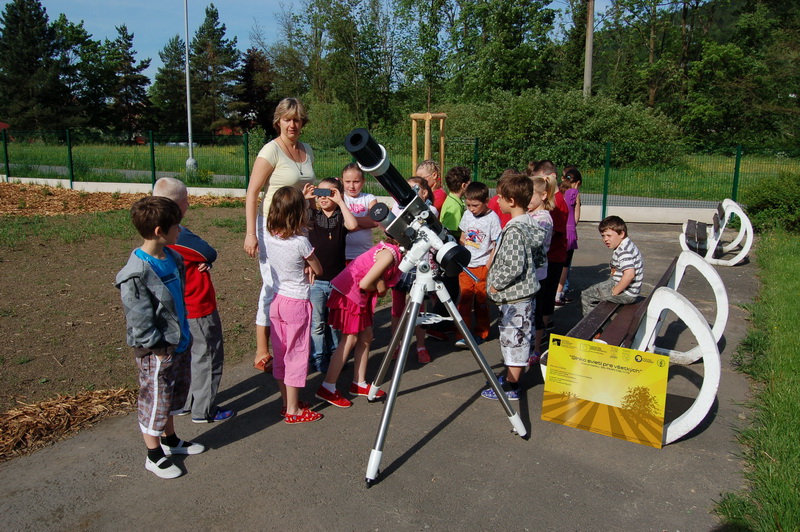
(33, 426)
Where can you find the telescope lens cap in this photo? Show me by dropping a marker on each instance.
(379, 212)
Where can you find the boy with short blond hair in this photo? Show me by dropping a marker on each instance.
(627, 268)
(480, 229)
(512, 280)
(151, 286)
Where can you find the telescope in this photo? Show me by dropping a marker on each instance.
(416, 228)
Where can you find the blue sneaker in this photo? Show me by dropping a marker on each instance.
(512, 395)
(221, 415)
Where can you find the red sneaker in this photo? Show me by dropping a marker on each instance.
(306, 416)
(334, 398)
(423, 357)
(355, 389)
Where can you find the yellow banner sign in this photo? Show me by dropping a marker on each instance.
(606, 389)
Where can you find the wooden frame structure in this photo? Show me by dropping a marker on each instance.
(427, 117)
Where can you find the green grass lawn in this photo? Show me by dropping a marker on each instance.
(771, 356)
(692, 177)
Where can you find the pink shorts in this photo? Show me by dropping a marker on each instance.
(290, 335)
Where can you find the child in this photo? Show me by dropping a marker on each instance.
(570, 187)
(351, 305)
(423, 190)
(457, 179)
(429, 171)
(291, 256)
(627, 268)
(359, 203)
(452, 210)
(480, 228)
(208, 352)
(512, 280)
(495, 206)
(539, 210)
(151, 286)
(329, 225)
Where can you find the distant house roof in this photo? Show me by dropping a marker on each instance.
(3, 125)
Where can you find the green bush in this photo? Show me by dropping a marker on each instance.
(774, 202)
(564, 127)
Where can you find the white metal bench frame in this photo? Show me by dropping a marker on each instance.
(713, 245)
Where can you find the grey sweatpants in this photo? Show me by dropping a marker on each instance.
(207, 359)
(602, 292)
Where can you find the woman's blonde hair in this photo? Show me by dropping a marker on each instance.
(289, 107)
(287, 212)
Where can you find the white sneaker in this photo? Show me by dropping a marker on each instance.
(164, 468)
(184, 447)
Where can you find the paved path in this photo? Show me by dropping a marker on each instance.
(450, 461)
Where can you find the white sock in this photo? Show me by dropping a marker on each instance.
(330, 387)
(362, 384)
(560, 296)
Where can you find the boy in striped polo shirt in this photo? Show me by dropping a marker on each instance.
(627, 268)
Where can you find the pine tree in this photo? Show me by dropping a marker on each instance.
(33, 96)
(129, 103)
(168, 92)
(215, 70)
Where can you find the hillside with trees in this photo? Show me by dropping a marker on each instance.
(712, 73)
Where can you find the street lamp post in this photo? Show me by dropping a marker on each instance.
(191, 162)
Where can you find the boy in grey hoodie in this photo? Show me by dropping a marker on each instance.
(151, 285)
(511, 281)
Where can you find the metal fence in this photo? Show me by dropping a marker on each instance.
(611, 174)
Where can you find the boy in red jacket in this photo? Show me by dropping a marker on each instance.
(201, 306)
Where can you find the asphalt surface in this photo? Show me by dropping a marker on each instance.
(450, 460)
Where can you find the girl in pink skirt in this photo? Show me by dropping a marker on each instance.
(352, 304)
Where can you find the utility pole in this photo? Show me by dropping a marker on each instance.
(191, 162)
(587, 64)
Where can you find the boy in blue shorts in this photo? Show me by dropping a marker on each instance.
(151, 285)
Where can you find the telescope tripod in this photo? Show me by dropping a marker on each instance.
(423, 284)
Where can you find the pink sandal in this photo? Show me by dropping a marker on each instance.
(306, 416)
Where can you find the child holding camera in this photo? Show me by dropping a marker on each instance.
(329, 224)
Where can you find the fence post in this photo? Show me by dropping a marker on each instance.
(69, 162)
(152, 158)
(475, 159)
(246, 138)
(605, 180)
(735, 192)
(5, 154)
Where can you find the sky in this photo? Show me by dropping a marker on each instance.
(154, 22)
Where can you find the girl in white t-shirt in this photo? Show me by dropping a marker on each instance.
(292, 260)
(359, 203)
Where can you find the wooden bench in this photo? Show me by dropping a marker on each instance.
(706, 239)
(637, 325)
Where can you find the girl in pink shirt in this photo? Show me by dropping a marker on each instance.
(351, 305)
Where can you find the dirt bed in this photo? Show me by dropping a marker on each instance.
(62, 331)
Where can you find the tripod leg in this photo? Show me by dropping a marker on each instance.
(513, 416)
(377, 451)
(396, 340)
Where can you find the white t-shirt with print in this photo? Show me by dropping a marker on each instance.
(480, 234)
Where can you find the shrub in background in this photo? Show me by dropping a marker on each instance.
(774, 203)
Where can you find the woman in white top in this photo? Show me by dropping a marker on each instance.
(282, 161)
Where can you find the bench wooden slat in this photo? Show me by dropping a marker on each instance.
(720, 211)
(593, 322)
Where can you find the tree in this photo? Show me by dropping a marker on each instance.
(33, 96)
(215, 70)
(129, 102)
(257, 97)
(168, 92)
(568, 74)
(500, 45)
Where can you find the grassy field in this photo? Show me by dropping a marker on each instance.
(770, 356)
(693, 177)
